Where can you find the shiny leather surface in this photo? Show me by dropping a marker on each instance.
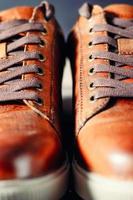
(103, 129)
(25, 136)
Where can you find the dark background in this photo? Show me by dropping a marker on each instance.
(66, 10)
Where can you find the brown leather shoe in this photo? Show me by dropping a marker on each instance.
(101, 53)
(32, 159)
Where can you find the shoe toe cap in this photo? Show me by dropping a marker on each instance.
(107, 148)
(28, 149)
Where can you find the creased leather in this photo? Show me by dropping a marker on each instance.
(80, 52)
(104, 142)
(23, 132)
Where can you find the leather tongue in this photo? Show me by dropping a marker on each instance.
(125, 45)
(120, 10)
(16, 13)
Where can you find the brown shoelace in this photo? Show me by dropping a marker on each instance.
(112, 86)
(12, 68)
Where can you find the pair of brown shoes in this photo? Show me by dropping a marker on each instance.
(33, 164)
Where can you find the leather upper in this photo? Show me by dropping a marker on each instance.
(105, 142)
(31, 133)
(103, 127)
(27, 138)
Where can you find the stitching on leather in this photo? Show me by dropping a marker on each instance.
(29, 103)
(52, 78)
(81, 69)
(127, 52)
(104, 101)
(97, 108)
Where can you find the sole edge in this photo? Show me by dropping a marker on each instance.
(91, 186)
(49, 187)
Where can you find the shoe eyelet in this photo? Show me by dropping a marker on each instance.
(40, 71)
(39, 101)
(42, 43)
(92, 99)
(91, 86)
(39, 87)
(91, 30)
(44, 32)
(90, 44)
(91, 71)
(42, 58)
(90, 57)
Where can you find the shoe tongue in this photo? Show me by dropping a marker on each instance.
(125, 45)
(125, 11)
(16, 13)
(120, 10)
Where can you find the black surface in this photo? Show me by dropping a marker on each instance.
(71, 196)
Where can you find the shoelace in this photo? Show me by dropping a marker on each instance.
(11, 87)
(112, 87)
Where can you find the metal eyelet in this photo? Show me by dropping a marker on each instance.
(39, 101)
(39, 87)
(90, 44)
(90, 57)
(42, 58)
(91, 30)
(91, 71)
(92, 99)
(40, 71)
(42, 43)
(44, 32)
(91, 86)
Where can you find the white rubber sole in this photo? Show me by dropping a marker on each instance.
(49, 187)
(90, 186)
